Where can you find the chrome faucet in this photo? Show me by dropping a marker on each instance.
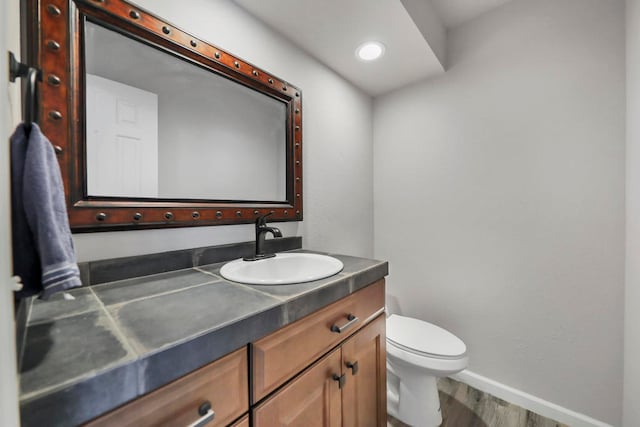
(261, 230)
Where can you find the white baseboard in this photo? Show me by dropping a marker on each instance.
(527, 401)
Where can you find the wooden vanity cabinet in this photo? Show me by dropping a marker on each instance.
(286, 352)
(345, 387)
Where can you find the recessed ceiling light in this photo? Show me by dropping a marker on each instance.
(370, 51)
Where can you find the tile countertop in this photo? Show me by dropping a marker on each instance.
(119, 340)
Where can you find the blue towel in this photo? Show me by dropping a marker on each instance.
(43, 253)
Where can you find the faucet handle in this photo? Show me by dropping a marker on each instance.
(262, 220)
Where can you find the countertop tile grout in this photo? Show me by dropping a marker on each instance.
(121, 303)
(240, 284)
(146, 276)
(120, 334)
(63, 316)
(150, 353)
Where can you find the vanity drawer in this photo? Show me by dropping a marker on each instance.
(223, 383)
(284, 353)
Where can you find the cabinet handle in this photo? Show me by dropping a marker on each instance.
(207, 415)
(353, 366)
(341, 379)
(339, 329)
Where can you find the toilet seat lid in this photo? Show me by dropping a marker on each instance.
(423, 338)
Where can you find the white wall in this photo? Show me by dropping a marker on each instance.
(337, 157)
(499, 198)
(9, 118)
(632, 291)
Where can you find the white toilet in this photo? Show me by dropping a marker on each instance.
(418, 353)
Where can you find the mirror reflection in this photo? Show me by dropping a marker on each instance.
(161, 127)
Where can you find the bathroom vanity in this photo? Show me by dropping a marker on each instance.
(174, 348)
(347, 383)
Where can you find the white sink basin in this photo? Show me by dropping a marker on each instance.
(283, 269)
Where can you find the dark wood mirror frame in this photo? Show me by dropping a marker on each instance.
(54, 31)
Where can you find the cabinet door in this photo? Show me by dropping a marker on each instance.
(286, 352)
(364, 396)
(311, 400)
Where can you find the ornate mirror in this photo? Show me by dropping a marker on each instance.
(157, 128)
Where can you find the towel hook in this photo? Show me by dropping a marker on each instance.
(33, 75)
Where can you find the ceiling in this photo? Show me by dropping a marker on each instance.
(413, 32)
(456, 12)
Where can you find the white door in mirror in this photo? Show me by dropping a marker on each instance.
(283, 269)
(122, 139)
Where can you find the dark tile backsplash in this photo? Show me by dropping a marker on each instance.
(111, 270)
(214, 254)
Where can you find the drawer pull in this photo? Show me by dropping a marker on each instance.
(353, 366)
(339, 329)
(207, 415)
(341, 379)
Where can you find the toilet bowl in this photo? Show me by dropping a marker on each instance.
(418, 353)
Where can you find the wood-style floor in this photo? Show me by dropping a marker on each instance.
(464, 406)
